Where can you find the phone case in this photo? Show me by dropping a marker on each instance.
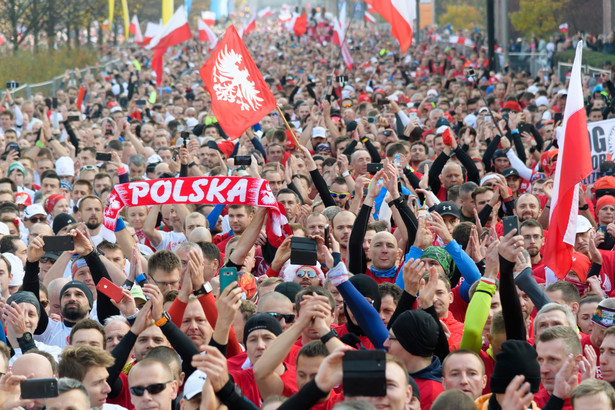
(110, 289)
(227, 276)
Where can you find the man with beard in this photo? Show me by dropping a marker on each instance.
(91, 213)
(533, 239)
(527, 206)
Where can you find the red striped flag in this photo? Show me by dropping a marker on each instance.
(573, 166)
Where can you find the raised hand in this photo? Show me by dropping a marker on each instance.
(412, 272)
(511, 245)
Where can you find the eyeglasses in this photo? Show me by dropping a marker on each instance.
(44, 303)
(36, 220)
(310, 273)
(340, 195)
(151, 389)
(46, 260)
(288, 318)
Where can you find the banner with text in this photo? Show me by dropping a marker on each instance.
(602, 143)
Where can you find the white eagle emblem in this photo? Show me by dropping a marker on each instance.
(232, 84)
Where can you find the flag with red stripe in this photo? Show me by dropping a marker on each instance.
(573, 166)
(399, 14)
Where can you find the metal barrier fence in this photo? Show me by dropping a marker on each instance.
(564, 68)
(50, 87)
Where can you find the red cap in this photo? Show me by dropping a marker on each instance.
(226, 147)
(604, 200)
(512, 105)
(580, 265)
(546, 159)
(364, 98)
(22, 198)
(607, 182)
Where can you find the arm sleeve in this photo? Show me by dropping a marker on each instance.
(258, 146)
(305, 398)
(31, 283)
(97, 268)
(366, 315)
(213, 216)
(183, 170)
(350, 147)
(594, 270)
(516, 140)
(233, 400)
(120, 353)
(484, 214)
(412, 178)
(412, 224)
(435, 171)
(526, 282)
(516, 163)
(356, 264)
(466, 266)
(493, 145)
(511, 306)
(322, 188)
(71, 136)
(476, 317)
(472, 171)
(373, 151)
(182, 345)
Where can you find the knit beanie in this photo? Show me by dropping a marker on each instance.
(80, 285)
(417, 332)
(261, 321)
(517, 357)
(23, 296)
(368, 287)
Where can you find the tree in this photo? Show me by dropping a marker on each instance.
(19, 19)
(538, 17)
(457, 16)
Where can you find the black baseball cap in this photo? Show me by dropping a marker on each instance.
(509, 172)
(447, 208)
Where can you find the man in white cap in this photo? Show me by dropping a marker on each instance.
(34, 214)
(193, 387)
(65, 168)
(319, 135)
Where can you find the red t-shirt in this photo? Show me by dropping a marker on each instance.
(123, 399)
(429, 389)
(489, 366)
(585, 341)
(333, 399)
(456, 328)
(246, 382)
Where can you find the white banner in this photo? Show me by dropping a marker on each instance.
(602, 143)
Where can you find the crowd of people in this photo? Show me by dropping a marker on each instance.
(401, 171)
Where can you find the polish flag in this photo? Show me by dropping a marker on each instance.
(339, 38)
(573, 166)
(174, 32)
(209, 17)
(563, 28)
(370, 18)
(266, 12)
(297, 24)
(151, 31)
(251, 26)
(135, 29)
(207, 34)
(399, 14)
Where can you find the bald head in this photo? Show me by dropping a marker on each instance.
(383, 250)
(200, 234)
(33, 366)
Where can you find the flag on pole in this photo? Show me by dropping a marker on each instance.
(370, 18)
(339, 38)
(151, 31)
(266, 12)
(563, 28)
(573, 166)
(297, 24)
(111, 11)
(251, 26)
(207, 34)
(80, 98)
(209, 17)
(399, 14)
(240, 97)
(135, 29)
(126, 17)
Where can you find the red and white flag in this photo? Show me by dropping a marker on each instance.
(339, 38)
(209, 17)
(151, 31)
(135, 29)
(266, 12)
(174, 32)
(297, 24)
(370, 18)
(563, 28)
(573, 166)
(207, 34)
(251, 26)
(399, 14)
(240, 97)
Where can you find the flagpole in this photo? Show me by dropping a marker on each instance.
(292, 134)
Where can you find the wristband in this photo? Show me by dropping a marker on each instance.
(119, 225)
(364, 140)
(584, 207)
(489, 281)
(328, 336)
(163, 320)
(192, 164)
(40, 144)
(141, 279)
(296, 176)
(397, 201)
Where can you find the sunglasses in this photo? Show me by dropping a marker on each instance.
(46, 260)
(151, 389)
(340, 195)
(310, 273)
(288, 318)
(36, 220)
(44, 303)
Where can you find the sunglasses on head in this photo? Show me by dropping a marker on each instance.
(288, 318)
(340, 195)
(151, 389)
(310, 273)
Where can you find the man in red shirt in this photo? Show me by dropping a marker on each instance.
(441, 302)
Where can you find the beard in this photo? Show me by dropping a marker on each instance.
(73, 313)
(91, 225)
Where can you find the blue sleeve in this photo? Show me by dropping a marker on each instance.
(235, 149)
(413, 253)
(124, 178)
(2, 335)
(258, 146)
(466, 266)
(213, 216)
(368, 318)
(337, 258)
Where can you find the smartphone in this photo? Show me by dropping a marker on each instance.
(243, 160)
(609, 241)
(412, 115)
(103, 156)
(227, 276)
(54, 103)
(39, 388)
(364, 373)
(373, 167)
(329, 80)
(489, 119)
(303, 251)
(383, 101)
(386, 133)
(48, 103)
(141, 279)
(11, 85)
(269, 80)
(558, 117)
(72, 118)
(141, 102)
(106, 287)
(343, 79)
(509, 223)
(138, 131)
(58, 243)
(524, 127)
(372, 120)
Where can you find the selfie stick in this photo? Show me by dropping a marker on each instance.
(292, 134)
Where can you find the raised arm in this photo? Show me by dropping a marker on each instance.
(248, 237)
(149, 226)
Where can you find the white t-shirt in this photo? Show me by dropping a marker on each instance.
(170, 240)
(105, 234)
(55, 351)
